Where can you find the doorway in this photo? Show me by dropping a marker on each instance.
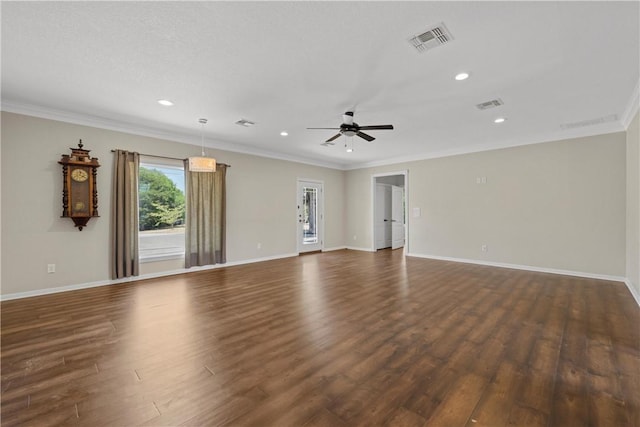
(310, 206)
(389, 210)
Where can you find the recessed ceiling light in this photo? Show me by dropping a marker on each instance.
(349, 150)
(499, 120)
(165, 102)
(284, 133)
(462, 76)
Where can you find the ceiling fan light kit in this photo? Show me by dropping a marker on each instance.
(349, 128)
(349, 145)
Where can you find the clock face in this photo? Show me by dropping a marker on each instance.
(79, 175)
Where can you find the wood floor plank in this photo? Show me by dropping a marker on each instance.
(331, 339)
(325, 418)
(458, 404)
(401, 417)
(496, 402)
(527, 416)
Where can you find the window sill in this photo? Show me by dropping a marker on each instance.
(163, 257)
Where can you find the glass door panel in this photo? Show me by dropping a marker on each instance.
(310, 216)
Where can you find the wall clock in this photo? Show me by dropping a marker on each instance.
(79, 191)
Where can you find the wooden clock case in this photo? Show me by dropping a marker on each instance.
(79, 193)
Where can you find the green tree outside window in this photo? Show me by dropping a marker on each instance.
(161, 202)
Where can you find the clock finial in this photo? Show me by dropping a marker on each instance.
(80, 144)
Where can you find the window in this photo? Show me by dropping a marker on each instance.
(161, 209)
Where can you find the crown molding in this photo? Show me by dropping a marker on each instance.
(152, 132)
(136, 129)
(603, 129)
(632, 106)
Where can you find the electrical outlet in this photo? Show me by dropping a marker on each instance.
(51, 268)
(355, 237)
(484, 248)
(259, 245)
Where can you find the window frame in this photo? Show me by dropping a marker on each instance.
(150, 162)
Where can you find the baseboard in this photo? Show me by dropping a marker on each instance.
(40, 292)
(355, 248)
(96, 284)
(524, 267)
(634, 292)
(337, 248)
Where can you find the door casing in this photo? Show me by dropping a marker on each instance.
(404, 173)
(397, 220)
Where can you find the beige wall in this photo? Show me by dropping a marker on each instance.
(558, 205)
(261, 204)
(633, 205)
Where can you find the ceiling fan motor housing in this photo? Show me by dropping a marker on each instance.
(349, 129)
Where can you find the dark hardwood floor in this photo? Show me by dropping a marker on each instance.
(335, 339)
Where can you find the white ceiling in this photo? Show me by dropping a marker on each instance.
(293, 65)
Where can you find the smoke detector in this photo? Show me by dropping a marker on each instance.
(434, 36)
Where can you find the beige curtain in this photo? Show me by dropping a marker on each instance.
(124, 215)
(205, 217)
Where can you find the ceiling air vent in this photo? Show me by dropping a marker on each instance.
(591, 122)
(435, 36)
(245, 123)
(490, 104)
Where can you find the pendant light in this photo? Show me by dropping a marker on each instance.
(202, 163)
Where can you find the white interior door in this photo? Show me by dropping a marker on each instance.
(379, 217)
(310, 216)
(383, 216)
(397, 217)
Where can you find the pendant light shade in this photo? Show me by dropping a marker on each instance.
(202, 163)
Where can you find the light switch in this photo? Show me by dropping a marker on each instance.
(416, 212)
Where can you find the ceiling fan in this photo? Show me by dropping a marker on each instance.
(351, 128)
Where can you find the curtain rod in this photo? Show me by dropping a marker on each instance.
(170, 158)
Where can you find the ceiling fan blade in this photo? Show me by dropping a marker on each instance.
(376, 127)
(326, 128)
(365, 136)
(333, 137)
